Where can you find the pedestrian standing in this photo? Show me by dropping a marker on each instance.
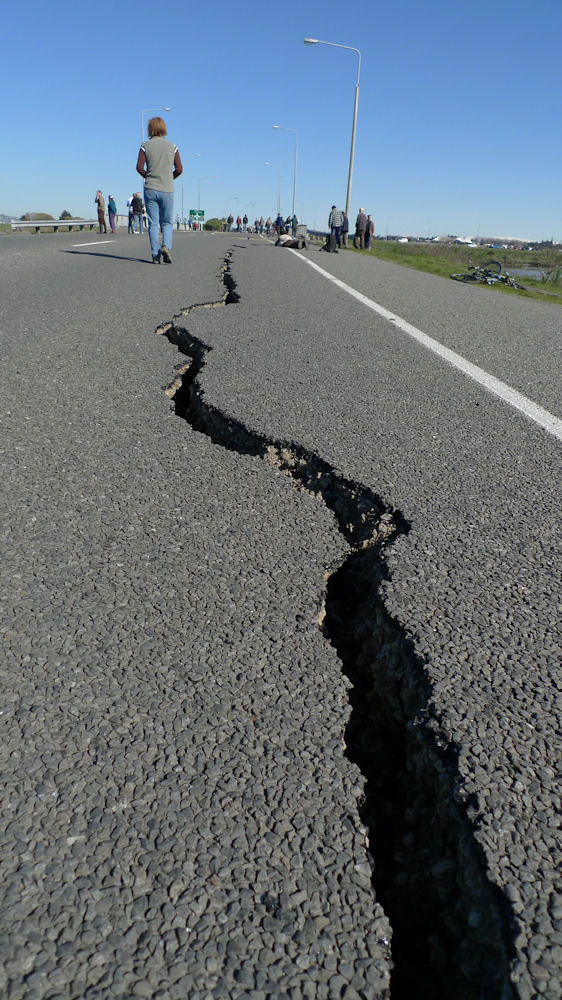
(360, 227)
(159, 164)
(130, 229)
(344, 230)
(100, 202)
(112, 212)
(369, 230)
(138, 209)
(335, 221)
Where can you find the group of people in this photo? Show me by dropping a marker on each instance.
(159, 164)
(261, 225)
(135, 208)
(338, 223)
(137, 214)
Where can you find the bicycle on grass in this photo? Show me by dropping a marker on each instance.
(489, 273)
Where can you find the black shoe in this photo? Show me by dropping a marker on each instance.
(166, 255)
(156, 259)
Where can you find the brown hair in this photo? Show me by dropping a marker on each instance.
(157, 126)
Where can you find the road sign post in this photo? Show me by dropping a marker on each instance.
(197, 218)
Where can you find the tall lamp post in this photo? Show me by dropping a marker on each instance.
(296, 156)
(268, 164)
(146, 112)
(207, 178)
(188, 157)
(336, 45)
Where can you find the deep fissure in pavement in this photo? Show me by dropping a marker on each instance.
(452, 928)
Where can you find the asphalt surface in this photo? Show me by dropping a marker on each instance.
(182, 813)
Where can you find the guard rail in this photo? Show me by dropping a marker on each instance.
(56, 224)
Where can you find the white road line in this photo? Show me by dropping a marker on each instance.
(531, 410)
(97, 243)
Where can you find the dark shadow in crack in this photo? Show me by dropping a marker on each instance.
(452, 927)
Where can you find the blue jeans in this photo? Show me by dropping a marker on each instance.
(336, 231)
(160, 211)
(137, 219)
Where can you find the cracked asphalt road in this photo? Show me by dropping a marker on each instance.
(179, 816)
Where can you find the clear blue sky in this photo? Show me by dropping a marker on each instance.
(458, 126)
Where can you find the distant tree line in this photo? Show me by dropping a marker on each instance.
(45, 217)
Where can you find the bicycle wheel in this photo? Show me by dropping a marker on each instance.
(493, 267)
(469, 278)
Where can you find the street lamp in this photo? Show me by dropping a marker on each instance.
(146, 112)
(296, 155)
(268, 164)
(188, 157)
(336, 45)
(208, 178)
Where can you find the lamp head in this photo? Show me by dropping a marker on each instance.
(310, 41)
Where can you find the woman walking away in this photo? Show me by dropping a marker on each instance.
(159, 164)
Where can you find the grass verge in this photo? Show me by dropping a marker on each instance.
(444, 259)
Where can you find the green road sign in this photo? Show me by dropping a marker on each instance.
(196, 213)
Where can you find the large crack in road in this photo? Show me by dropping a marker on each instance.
(452, 927)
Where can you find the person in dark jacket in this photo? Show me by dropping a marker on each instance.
(138, 209)
(360, 227)
(369, 230)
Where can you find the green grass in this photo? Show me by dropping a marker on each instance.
(444, 259)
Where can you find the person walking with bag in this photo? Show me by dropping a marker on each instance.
(159, 164)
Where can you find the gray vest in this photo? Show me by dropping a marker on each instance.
(160, 163)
